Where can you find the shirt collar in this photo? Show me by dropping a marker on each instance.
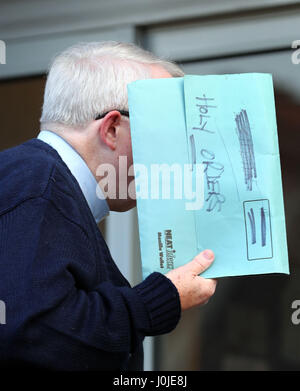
(87, 182)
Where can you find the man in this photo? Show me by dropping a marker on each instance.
(68, 306)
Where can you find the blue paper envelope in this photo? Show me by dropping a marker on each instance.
(207, 173)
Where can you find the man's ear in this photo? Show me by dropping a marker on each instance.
(107, 129)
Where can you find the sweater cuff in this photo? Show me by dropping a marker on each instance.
(161, 299)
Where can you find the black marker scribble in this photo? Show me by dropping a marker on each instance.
(203, 108)
(252, 225)
(258, 229)
(212, 172)
(263, 227)
(193, 150)
(246, 147)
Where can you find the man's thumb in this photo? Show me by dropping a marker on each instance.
(201, 262)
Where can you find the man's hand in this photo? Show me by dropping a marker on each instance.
(194, 290)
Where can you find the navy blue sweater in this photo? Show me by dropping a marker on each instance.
(68, 307)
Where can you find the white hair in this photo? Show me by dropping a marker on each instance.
(89, 79)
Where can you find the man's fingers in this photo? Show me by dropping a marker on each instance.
(211, 285)
(194, 290)
(201, 262)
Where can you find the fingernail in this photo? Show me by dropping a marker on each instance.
(208, 254)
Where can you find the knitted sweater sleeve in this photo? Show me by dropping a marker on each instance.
(47, 261)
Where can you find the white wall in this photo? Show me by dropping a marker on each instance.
(34, 30)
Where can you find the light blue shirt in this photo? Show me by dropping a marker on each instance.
(81, 172)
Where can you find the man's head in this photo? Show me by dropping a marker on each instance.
(89, 80)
